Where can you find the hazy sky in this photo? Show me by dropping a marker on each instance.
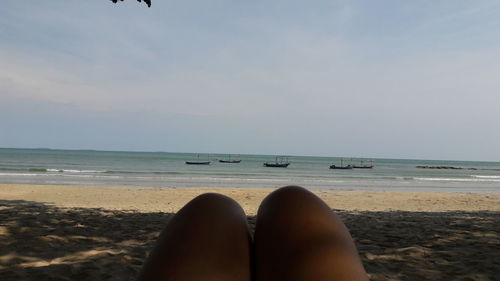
(396, 79)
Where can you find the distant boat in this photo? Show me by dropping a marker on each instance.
(229, 160)
(281, 162)
(198, 162)
(365, 164)
(342, 166)
(203, 162)
(276, 165)
(348, 167)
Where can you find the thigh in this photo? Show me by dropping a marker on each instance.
(208, 239)
(299, 238)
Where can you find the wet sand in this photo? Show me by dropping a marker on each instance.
(104, 233)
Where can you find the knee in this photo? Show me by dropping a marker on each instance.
(291, 190)
(212, 198)
(288, 193)
(214, 202)
(285, 197)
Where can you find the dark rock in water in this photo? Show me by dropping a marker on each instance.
(441, 167)
(454, 168)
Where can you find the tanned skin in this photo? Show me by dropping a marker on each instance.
(297, 238)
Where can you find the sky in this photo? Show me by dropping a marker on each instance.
(382, 79)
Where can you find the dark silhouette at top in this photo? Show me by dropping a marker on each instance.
(148, 2)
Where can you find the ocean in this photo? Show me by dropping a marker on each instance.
(162, 169)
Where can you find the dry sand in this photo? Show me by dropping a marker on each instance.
(104, 233)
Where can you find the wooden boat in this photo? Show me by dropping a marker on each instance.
(199, 162)
(364, 165)
(342, 166)
(281, 162)
(276, 165)
(348, 167)
(229, 160)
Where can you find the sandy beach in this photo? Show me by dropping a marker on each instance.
(105, 232)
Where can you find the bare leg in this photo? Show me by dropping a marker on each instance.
(299, 238)
(208, 239)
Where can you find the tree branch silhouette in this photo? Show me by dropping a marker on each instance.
(148, 2)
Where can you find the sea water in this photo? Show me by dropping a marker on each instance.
(162, 169)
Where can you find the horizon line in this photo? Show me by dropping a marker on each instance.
(222, 153)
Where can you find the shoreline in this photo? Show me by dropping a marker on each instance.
(171, 199)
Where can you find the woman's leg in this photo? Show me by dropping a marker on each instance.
(299, 238)
(208, 239)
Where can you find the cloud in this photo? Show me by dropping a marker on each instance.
(276, 77)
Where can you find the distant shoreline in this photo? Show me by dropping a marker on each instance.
(249, 154)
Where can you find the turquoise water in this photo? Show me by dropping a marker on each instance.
(43, 166)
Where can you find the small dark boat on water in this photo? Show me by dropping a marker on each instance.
(347, 167)
(342, 166)
(365, 164)
(276, 165)
(229, 160)
(199, 162)
(281, 162)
